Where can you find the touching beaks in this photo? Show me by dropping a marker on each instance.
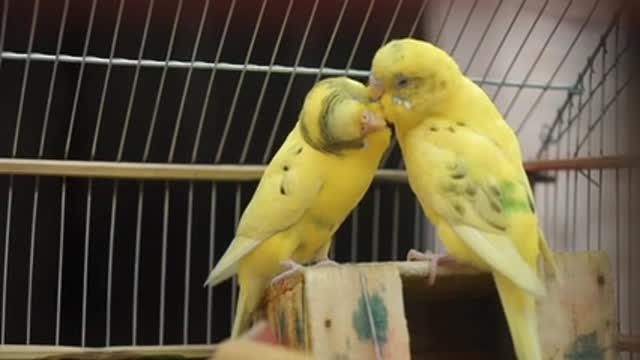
(376, 88)
(371, 122)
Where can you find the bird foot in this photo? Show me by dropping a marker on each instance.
(291, 267)
(325, 262)
(435, 260)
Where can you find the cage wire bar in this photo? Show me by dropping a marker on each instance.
(591, 205)
(152, 136)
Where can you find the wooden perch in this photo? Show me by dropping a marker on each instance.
(389, 310)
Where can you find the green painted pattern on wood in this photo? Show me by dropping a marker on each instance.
(586, 347)
(300, 332)
(282, 327)
(380, 315)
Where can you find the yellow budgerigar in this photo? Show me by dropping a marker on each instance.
(316, 178)
(465, 165)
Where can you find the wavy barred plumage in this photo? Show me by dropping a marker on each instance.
(328, 142)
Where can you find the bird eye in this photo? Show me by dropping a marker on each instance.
(402, 83)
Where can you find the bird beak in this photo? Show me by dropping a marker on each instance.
(376, 88)
(371, 122)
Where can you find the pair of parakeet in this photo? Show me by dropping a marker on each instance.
(464, 164)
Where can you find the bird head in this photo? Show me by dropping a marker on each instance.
(337, 118)
(412, 79)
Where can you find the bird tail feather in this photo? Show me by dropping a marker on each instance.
(520, 310)
(249, 296)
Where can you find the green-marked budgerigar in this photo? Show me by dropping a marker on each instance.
(465, 166)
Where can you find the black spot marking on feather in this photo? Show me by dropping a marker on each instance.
(600, 280)
(457, 175)
(495, 207)
(495, 190)
(460, 123)
(433, 128)
(459, 209)
(282, 191)
(299, 151)
(531, 206)
(471, 191)
(285, 168)
(451, 129)
(496, 226)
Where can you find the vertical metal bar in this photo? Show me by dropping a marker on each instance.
(265, 82)
(63, 196)
(185, 89)
(5, 270)
(323, 62)
(3, 26)
(590, 122)
(212, 75)
(54, 72)
(392, 22)
(375, 224)
(601, 152)
(187, 266)
(43, 135)
(483, 36)
(236, 219)
(525, 41)
(174, 139)
(136, 264)
(236, 95)
(575, 183)
(163, 261)
(554, 74)
(76, 97)
(25, 77)
(556, 195)
(395, 225)
(212, 250)
(630, 255)
(418, 17)
(134, 84)
(444, 21)
(112, 234)
(32, 244)
(354, 235)
(107, 77)
(546, 211)
(96, 136)
(156, 106)
(617, 176)
(365, 21)
(566, 182)
(276, 125)
(515, 17)
(464, 27)
(85, 268)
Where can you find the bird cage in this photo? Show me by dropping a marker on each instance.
(133, 134)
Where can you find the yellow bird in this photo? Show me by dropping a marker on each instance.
(316, 178)
(465, 165)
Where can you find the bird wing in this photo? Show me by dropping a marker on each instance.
(468, 182)
(286, 191)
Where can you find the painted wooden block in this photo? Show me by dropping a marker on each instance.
(578, 317)
(352, 311)
(343, 312)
